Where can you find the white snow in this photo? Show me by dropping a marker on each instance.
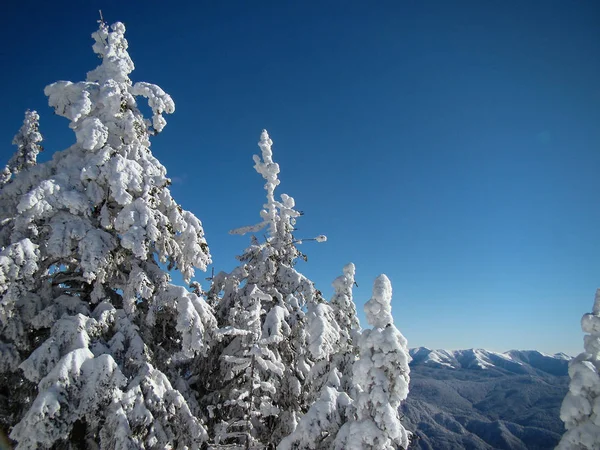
(580, 410)
(80, 242)
(379, 309)
(381, 374)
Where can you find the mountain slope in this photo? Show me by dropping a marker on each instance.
(477, 399)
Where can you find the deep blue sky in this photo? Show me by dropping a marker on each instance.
(454, 146)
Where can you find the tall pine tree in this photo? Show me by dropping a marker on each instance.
(381, 377)
(332, 329)
(89, 322)
(28, 145)
(257, 395)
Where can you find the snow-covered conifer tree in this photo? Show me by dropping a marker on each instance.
(89, 322)
(258, 396)
(345, 316)
(28, 145)
(381, 376)
(580, 410)
(332, 328)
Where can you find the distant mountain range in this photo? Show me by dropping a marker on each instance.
(477, 399)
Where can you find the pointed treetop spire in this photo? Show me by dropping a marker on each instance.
(379, 309)
(279, 216)
(350, 271)
(269, 171)
(342, 301)
(28, 145)
(111, 46)
(265, 144)
(596, 309)
(27, 141)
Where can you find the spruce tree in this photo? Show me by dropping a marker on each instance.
(28, 145)
(329, 386)
(90, 326)
(257, 395)
(580, 410)
(381, 377)
(345, 315)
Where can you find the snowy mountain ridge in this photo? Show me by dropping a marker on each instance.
(484, 400)
(475, 358)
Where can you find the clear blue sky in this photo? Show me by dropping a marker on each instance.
(454, 146)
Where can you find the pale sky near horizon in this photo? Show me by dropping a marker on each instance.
(454, 146)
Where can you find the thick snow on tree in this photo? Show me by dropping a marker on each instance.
(28, 145)
(332, 328)
(90, 326)
(345, 315)
(381, 376)
(580, 410)
(323, 342)
(317, 428)
(273, 324)
(342, 303)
